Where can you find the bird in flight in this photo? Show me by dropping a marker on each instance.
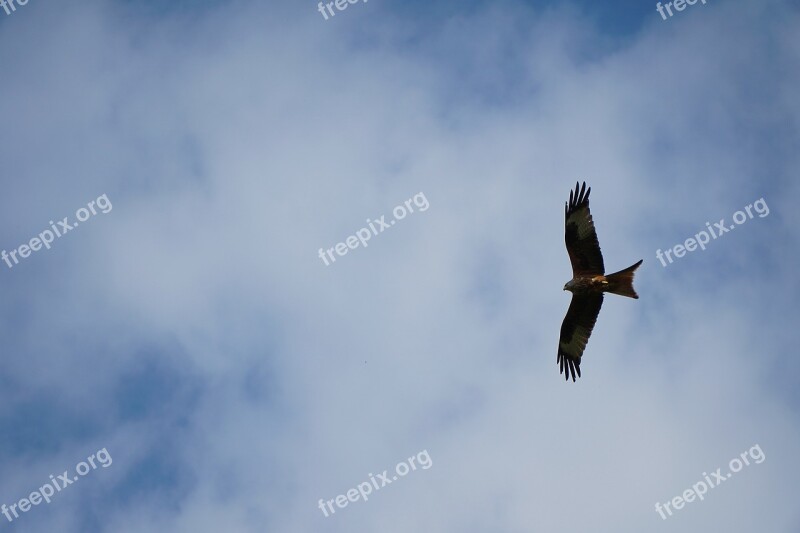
(588, 282)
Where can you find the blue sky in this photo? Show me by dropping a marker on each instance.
(193, 332)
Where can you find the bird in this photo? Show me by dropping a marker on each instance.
(588, 282)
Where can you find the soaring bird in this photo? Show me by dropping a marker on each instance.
(588, 282)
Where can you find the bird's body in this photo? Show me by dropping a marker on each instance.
(588, 282)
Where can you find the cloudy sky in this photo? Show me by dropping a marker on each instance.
(233, 379)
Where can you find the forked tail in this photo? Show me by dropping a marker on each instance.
(622, 282)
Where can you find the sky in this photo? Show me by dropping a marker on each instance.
(195, 354)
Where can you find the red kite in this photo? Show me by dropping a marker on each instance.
(588, 282)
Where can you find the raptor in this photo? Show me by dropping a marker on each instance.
(588, 284)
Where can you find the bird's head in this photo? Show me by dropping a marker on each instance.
(568, 286)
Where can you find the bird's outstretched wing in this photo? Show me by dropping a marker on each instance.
(575, 331)
(580, 235)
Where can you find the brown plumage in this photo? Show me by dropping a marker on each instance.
(588, 282)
